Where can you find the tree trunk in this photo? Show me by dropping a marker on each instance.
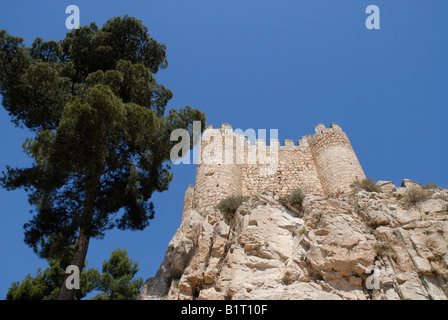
(79, 257)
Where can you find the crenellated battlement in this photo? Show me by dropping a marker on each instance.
(322, 163)
(320, 129)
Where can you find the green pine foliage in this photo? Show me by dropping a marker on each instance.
(101, 132)
(116, 282)
(45, 285)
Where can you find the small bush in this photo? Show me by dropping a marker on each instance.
(383, 250)
(373, 223)
(430, 186)
(295, 199)
(229, 294)
(360, 207)
(412, 196)
(301, 232)
(367, 185)
(230, 205)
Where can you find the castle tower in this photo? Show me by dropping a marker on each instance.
(218, 175)
(336, 162)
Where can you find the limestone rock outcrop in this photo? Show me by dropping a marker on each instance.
(369, 245)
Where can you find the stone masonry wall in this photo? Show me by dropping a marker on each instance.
(295, 169)
(321, 164)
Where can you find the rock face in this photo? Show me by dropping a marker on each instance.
(370, 245)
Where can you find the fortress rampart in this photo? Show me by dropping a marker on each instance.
(323, 164)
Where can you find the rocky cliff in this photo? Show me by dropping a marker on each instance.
(369, 245)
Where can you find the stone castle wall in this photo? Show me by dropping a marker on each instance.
(322, 164)
(295, 168)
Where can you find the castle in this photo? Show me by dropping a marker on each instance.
(267, 252)
(323, 164)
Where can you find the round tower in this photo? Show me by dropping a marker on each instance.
(336, 162)
(218, 174)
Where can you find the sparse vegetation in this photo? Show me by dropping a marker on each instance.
(374, 222)
(229, 294)
(383, 250)
(294, 199)
(367, 185)
(230, 204)
(203, 213)
(426, 286)
(360, 207)
(430, 186)
(301, 232)
(414, 195)
(439, 268)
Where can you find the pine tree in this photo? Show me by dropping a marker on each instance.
(116, 282)
(45, 285)
(117, 279)
(102, 133)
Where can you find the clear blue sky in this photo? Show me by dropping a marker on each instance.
(285, 65)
